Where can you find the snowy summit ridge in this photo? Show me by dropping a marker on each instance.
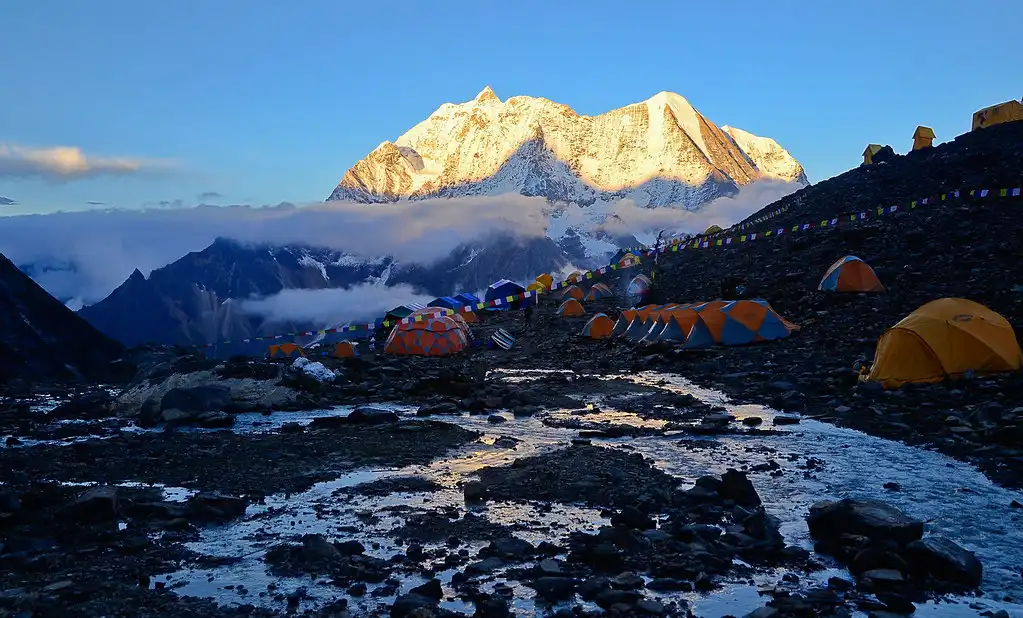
(659, 152)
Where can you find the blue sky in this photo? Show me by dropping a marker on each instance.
(262, 102)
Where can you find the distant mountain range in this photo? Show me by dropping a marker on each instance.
(660, 153)
(195, 300)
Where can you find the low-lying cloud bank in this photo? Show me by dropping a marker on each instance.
(358, 304)
(81, 257)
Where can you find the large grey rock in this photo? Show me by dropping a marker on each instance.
(945, 560)
(366, 415)
(407, 604)
(197, 399)
(96, 504)
(554, 588)
(215, 506)
(870, 518)
(735, 486)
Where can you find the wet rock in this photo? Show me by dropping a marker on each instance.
(194, 400)
(487, 565)
(764, 612)
(633, 518)
(870, 518)
(782, 419)
(409, 604)
(765, 528)
(506, 442)
(873, 558)
(593, 586)
(357, 590)
(609, 598)
(882, 579)
(350, 548)
(510, 547)
(548, 566)
(475, 491)
(896, 603)
(367, 415)
(628, 581)
(945, 560)
(215, 506)
(840, 584)
(752, 421)
(736, 486)
(315, 548)
(650, 607)
(554, 588)
(213, 420)
(96, 504)
(90, 406)
(439, 409)
(1016, 504)
(496, 419)
(892, 486)
(430, 590)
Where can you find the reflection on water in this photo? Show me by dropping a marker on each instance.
(792, 469)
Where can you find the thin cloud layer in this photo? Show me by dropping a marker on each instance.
(66, 163)
(80, 257)
(209, 195)
(83, 256)
(6, 201)
(361, 303)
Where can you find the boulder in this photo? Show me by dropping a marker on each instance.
(367, 415)
(945, 560)
(214, 506)
(430, 590)
(196, 399)
(214, 419)
(736, 486)
(870, 518)
(407, 604)
(96, 504)
(90, 406)
(554, 588)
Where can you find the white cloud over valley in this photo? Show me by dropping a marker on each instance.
(81, 257)
(360, 303)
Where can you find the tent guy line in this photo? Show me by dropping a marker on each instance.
(702, 242)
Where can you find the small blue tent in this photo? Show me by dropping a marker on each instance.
(468, 299)
(446, 302)
(502, 289)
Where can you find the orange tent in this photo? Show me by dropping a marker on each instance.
(470, 317)
(545, 280)
(435, 337)
(599, 327)
(345, 349)
(850, 274)
(573, 291)
(948, 337)
(284, 350)
(598, 291)
(571, 309)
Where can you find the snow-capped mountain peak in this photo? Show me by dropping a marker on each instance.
(662, 143)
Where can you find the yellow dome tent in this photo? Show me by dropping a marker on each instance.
(545, 280)
(945, 338)
(922, 137)
(868, 154)
(1009, 111)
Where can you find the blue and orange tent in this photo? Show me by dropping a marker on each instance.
(740, 322)
(850, 274)
(599, 327)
